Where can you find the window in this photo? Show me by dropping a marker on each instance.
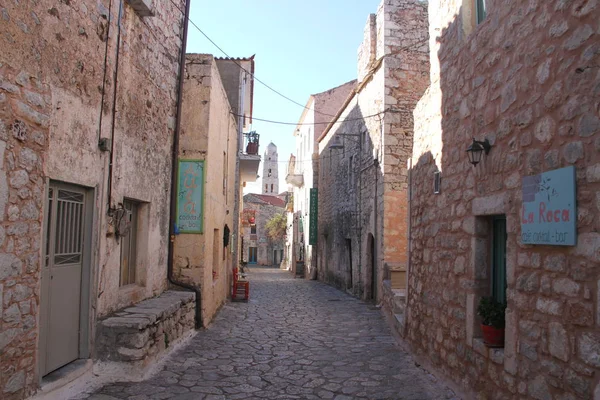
(129, 244)
(498, 276)
(480, 11)
(271, 188)
(437, 180)
(253, 229)
(266, 187)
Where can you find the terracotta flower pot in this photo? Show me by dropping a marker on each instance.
(492, 337)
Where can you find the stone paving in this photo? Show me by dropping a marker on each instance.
(294, 339)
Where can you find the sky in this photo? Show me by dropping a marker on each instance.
(301, 48)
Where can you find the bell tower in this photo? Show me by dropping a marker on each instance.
(270, 176)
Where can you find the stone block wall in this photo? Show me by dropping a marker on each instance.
(362, 188)
(55, 87)
(25, 106)
(138, 335)
(264, 212)
(527, 79)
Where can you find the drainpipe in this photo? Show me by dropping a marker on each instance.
(174, 173)
(114, 108)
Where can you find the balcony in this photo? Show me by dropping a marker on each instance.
(249, 159)
(293, 178)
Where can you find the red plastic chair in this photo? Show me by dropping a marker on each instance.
(241, 286)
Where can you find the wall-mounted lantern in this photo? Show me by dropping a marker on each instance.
(476, 149)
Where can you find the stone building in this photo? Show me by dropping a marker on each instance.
(258, 247)
(87, 119)
(302, 171)
(210, 135)
(362, 177)
(524, 76)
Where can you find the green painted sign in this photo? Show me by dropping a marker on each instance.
(314, 214)
(190, 197)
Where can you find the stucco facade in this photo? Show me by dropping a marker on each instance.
(363, 154)
(209, 133)
(302, 172)
(69, 76)
(527, 79)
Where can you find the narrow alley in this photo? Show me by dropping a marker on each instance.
(295, 339)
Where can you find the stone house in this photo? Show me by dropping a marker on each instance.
(363, 153)
(302, 173)
(524, 76)
(258, 247)
(204, 252)
(88, 105)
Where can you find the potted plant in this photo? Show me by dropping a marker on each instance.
(492, 321)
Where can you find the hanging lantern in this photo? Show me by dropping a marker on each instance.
(476, 150)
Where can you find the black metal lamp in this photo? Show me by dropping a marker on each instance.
(476, 149)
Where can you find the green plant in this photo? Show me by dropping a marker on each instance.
(276, 227)
(491, 312)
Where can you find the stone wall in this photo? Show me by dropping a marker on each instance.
(54, 89)
(362, 199)
(527, 79)
(209, 133)
(138, 335)
(266, 246)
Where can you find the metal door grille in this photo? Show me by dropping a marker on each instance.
(68, 228)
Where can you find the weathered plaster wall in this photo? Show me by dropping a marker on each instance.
(527, 78)
(51, 82)
(209, 132)
(362, 204)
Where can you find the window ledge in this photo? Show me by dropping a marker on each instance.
(496, 355)
(142, 7)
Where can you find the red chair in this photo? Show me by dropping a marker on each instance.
(241, 286)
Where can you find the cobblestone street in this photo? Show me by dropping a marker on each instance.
(294, 339)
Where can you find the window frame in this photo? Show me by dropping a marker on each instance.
(480, 11)
(498, 259)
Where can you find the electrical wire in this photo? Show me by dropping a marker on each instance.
(314, 123)
(244, 69)
(265, 84)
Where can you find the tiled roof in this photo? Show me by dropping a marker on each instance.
(265, 198)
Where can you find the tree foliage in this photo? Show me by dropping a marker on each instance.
(276, 226)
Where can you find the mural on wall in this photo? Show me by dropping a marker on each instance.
(548, 215)
(190, 194)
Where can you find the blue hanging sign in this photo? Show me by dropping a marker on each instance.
(549, 213)
(190, 197)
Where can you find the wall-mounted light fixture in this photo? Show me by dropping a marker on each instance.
(476, 149)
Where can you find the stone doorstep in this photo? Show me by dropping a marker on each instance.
(62, 377)
(147, 312)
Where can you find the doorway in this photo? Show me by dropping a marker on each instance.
(252, 255)
(372, 267)
(350, 270)
(65, 276)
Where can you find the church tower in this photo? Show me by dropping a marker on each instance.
(270, 176)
